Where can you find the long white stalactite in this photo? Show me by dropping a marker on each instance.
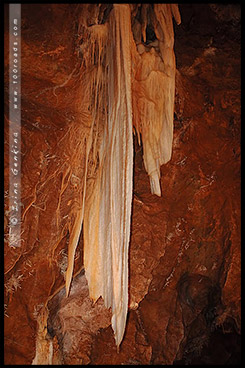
(107, 216)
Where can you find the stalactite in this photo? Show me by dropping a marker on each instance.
(94, 91)
(108, 210)
(129, 83)
(153, 91)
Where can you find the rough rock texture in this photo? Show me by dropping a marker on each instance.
(75, 314)
(184, 257)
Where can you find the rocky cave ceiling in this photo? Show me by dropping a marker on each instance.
(85, 69)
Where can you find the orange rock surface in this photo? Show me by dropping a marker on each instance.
(184, 254)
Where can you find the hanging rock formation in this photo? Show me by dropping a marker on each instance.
(116, 71)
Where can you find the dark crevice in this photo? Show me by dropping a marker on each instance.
(150, 35)
(104, 13)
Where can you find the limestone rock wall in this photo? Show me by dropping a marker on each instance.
(184, 252)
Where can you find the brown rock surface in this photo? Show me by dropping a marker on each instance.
(184, 257)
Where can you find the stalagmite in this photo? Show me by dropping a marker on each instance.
(130, 83)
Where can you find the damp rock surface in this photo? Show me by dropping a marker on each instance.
(184, 253)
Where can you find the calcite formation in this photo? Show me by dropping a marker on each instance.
(83, 74)
(117, 71)
(154, 87)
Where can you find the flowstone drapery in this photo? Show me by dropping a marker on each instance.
(131, 83)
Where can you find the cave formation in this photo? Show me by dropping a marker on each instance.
(130, 186)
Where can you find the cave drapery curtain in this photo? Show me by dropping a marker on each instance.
(132, 84)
